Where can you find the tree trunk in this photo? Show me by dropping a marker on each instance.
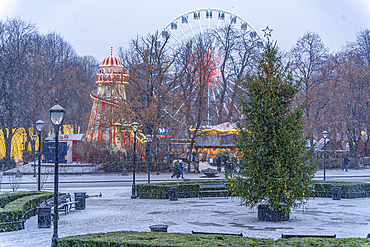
(8, 136)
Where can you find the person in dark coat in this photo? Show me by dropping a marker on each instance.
(175, 170)
(219, 163)
(345, 162)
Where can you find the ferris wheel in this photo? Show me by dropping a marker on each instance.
(225, 67)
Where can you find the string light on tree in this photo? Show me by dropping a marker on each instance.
(275, 167)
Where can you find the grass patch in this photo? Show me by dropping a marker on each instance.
(159, 239)
(324, 242)
(141, 239)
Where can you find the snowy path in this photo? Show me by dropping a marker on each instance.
(115, 211)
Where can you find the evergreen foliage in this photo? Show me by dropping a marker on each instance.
(7, 163)
(275, 165)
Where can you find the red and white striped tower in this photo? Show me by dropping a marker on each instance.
(108, 109)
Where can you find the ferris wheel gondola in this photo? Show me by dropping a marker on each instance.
(221, 93)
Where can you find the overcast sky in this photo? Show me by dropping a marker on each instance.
(92, 26)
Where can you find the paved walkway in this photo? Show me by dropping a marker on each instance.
(116, 211)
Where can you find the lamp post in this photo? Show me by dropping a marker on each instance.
(39, 127)
(56, 117)
(325, 135)
(134, 127)
(34, 154)
(157, 158)
(149, 139)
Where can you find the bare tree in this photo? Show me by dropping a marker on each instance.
(150, 94)
(362, 46)
(81, 81)
(240, 50)
(15, 43)
(310, 61)
(34, 70)
(349, 93)
(197, 66)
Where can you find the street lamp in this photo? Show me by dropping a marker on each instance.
(134, 127)
(39, 127)
(34, 154)
(149, 139)
(325, 135)
(56, 117)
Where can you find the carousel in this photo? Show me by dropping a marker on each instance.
(210, 141)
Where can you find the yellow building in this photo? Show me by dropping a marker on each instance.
(19, 142)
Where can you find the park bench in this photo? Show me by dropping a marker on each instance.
(214, 189)
(218, 233)
(65, 203)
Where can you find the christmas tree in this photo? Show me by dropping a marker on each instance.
(275, 166)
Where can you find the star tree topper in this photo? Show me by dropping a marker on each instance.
(267, 31)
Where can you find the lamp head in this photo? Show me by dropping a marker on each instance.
(39, 125)
(135, 126)
(364, 136)
(57, 114)
(149, 138)
(325, 134)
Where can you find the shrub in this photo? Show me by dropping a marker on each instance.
(8, 164)
(14, 211)
(9, 197)
(187, 189)
(349, 189)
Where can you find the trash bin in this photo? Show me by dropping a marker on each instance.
(80, 198)
(158, 228)
(44, 217)
(172, 193)
(336, 191)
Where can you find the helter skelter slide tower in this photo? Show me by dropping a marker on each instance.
(109, 124)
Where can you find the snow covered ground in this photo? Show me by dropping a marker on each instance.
(116, 211)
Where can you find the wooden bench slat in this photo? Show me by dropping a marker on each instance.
(213, 188)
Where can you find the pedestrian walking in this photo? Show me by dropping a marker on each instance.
(204, 156)
(345, 162)
(218, 160)
(175, 170)
(181, 171)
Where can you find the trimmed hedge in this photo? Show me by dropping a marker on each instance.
(8, 163)
(14, 211)
(349, 189)
(9, 197)
(186, 189)
(146, 239)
